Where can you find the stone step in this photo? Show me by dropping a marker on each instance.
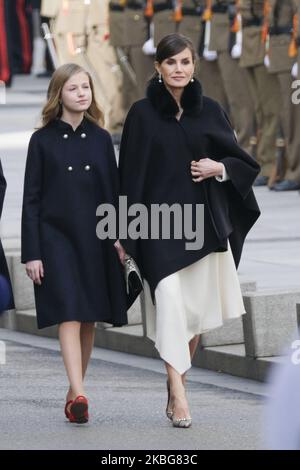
(270, 324)
(231, 332)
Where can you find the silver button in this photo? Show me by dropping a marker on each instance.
(83, 135)
(70, 168)
(65, 136)
(87, 167)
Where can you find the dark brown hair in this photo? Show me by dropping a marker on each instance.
(173, 44)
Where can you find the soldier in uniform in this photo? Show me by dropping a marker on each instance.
(192, 25)
(233, 77)
(5, 43)
(102, 58)
(49, 8)
(263, 86)
(21, 35)
(69, 30)
(129, 30)
(80, 31)
(282, 51)
(164, 19)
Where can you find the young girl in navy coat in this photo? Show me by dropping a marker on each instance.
(78, 278)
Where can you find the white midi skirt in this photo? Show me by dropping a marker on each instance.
(192, 301)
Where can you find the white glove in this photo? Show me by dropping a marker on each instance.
(236, 51)
(295, 70)
(267, 61)
(148, 48)
(208, 54)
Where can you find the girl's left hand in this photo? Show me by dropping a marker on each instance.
(121, 251)
(205, 168)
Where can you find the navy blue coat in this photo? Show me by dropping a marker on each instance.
(68, 174)
(155, 168)
(3, 265)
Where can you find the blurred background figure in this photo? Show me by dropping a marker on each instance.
(6, 297)
(41, 62)
(193, 21)
(282, 417)
(5, 43)
(5, 294)
(222, 40)
(283, 27)
(264, 88)
(21, 35)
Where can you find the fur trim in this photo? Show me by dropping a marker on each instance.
(163, 101)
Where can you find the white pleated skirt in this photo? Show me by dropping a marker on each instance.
(190, 302)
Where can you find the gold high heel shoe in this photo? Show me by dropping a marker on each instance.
(182, 423)
(168, 412)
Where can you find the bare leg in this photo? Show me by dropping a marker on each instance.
(87, 336)
(69, 337)
(178, 399)
(193, 346)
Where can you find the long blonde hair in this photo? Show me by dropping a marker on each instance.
(53, 109)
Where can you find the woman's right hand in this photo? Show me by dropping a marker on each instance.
(35, 271)
(121, 252)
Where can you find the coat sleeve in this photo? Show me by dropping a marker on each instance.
(2, 189)
(133, 161)
(242, 170)
(241, 167)
(31, 249)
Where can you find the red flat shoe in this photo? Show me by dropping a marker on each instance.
(79, 410)
(67, 412)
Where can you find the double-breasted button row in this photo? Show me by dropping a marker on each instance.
(87, 168)
(83, 136)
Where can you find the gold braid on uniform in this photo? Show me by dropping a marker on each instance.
(122, 3)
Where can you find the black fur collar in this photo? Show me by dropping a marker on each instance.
(163, 101)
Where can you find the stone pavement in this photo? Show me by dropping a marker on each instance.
(127, 403)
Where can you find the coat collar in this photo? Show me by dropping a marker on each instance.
(64, 126)
(163, 101)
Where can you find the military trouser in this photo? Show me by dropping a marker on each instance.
(291, 126)
(265, 93)
(143, 67)
(210, 77)
(240, 103)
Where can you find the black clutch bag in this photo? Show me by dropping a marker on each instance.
(133, 279)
